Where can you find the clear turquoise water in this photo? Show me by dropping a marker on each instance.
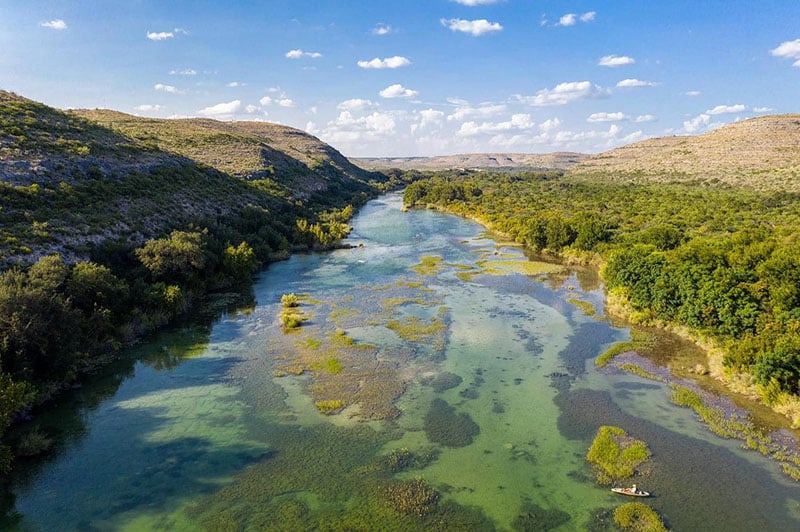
(196, 430)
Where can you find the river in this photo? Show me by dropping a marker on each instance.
(437, 382)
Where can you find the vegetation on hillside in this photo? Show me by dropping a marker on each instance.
(724, 262)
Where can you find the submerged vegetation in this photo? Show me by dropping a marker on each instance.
(729, 274)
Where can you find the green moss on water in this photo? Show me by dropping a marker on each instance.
(445, 381)
(428, 265)
(586, 307)
(300, 486)
(533, 517)
(329, 406)
(446, 427)
(638, 370)
(639, 517)
(615, 455)
(640, 342)
(415, 329)
(524, 267)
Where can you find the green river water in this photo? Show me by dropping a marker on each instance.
(480, 382)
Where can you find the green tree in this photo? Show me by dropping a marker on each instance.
(179, 258)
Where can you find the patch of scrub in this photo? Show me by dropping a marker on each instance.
(428, 265)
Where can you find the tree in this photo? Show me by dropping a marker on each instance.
(179, 258)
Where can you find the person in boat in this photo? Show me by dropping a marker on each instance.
(634, 490)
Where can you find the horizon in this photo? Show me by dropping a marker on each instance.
(421, 79)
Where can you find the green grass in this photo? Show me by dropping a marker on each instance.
(639, 517)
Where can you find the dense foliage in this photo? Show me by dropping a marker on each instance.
(723, 261)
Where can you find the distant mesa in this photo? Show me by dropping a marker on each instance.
(475, 161)
(761, 153)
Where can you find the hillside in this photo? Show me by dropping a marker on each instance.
(72, 180)
(494, 161)
(761, 153)
(293, 161)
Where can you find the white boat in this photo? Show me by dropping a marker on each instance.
(632, 491)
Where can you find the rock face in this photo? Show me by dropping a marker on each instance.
(761, 153)
(497, 161)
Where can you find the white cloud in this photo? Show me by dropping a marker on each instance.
(473, 27)
(520, 121)
(570, 19)
(465, 110)
(56, 24)
(606, 117)
(389, 62)
(763, 109)
(235, 84)
(252, 109)
(696, 123)
(427, 117)
(636, 83)
(567, 20)
(788, 50)
(397, 91)
(221, 109)
(355, 104)
(550, 124)
(645, 118)
(184, 72)
(382, 29)
(160, 36)
(564, 93)
(168, 88)
(723, 109)
(299, 54)
(148, 107)
(692, 93)
(616, 60)
(281, 101)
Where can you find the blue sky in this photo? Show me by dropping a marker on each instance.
(414, 77)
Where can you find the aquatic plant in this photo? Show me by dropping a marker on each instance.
(586, 307)
(638, 370)
(444, 426)
(534, 517)
(292, 318)
(329, 406)
(615, 455)
(414, 329)
(640, 341)
(639, 517)
(445, 381)
(413, 497)
(290, 300)
(428, 265)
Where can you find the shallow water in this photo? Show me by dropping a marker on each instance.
(219, 427)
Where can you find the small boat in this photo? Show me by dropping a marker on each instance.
(633, 491)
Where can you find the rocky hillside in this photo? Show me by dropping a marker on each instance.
(292, 161)
(71, 180)
(494, 161)
(761, 153)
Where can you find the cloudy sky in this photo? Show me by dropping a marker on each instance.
(416, 77)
